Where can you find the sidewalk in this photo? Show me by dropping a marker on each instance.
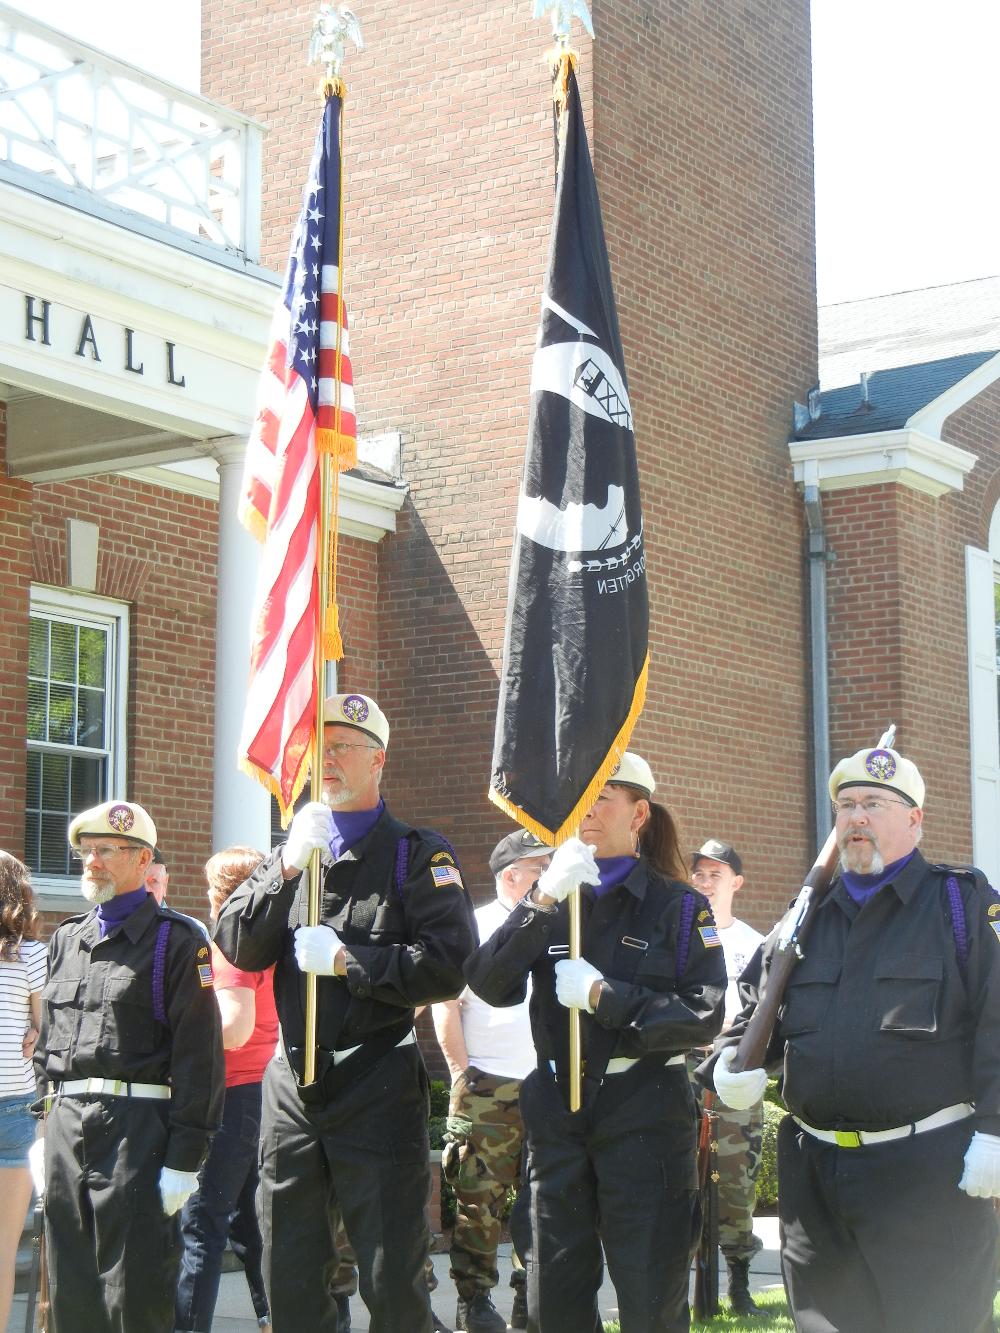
(234, 1312)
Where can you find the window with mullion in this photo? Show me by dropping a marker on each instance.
(71, 727)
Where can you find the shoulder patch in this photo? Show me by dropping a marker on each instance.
(205, 974)
(704, 916)
(203, 951)
(447, 874)
(993, 909)
(709, 937)
(446, 857)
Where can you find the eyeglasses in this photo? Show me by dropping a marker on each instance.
(340, 748)
(104, 851)
(871, 805)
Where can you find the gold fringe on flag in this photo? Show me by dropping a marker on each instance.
(332, 87)
(571, 824)
(270, 783)
(333, 643)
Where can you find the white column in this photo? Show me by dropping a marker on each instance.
(241, 808)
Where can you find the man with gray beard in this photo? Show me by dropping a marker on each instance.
(889, 1039)
(129, 1061)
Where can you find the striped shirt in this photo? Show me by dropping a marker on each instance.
(18, 980)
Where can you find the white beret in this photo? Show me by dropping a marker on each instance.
(357, 710)
(879, 768)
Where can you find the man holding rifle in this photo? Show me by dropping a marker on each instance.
(890, 1040)
(396, 927)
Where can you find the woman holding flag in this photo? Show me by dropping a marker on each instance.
(650, 985)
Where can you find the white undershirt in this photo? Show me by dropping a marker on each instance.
(497, 1041)
(739, 944)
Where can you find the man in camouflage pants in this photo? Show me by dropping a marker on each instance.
(717, 871)
(489, 1051)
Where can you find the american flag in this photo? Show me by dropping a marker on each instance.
(305, 404)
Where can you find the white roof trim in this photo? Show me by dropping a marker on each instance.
(931, 417)
(908, 457)
(367, 509)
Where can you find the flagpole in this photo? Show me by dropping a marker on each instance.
(316, 782)
(331, 30)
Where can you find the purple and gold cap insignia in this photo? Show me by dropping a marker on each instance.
(355, 709)
(881, 765)
(121, 818)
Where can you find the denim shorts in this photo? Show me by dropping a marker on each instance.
(17, 1130)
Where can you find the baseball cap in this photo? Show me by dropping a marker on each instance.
(517, 846)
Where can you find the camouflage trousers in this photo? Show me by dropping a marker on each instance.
(481, 1162)
(738, 1136)
(345, 1275)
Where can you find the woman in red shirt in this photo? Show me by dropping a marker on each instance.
(223, 1208)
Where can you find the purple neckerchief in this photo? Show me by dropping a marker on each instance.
(115, 910)
(614, 871)
(350, 826)
(861, 887)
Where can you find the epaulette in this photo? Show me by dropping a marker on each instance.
(191, 922)
(972, 873)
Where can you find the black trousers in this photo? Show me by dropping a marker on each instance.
(880, 1239)
(620, 1172)
(113, 1255)
(363, 1156)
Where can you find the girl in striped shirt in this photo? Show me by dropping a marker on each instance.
(22, 975)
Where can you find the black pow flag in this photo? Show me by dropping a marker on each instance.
(576, 644)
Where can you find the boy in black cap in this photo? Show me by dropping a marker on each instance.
(717, 870)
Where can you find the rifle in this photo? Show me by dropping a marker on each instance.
(792, 930)
(706, 1272)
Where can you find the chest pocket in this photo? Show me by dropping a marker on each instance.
(61, 1013)
(809, 995)
(656, 968)
(907, 994)
(129, 1024)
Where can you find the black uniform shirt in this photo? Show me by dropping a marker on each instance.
(878, 1027)
(98, 1019)
(405, 943)
(631, 936)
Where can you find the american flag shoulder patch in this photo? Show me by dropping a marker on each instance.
(710, 937)
(205, 974)
(447, 875)
(996, 928)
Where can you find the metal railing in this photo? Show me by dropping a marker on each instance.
(90, 130)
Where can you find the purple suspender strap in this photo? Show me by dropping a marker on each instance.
(684, 935)
(159, 970)
(958, 924)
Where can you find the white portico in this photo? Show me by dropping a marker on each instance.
(134, 319)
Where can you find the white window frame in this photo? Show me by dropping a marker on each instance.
(982, 572)
(58, 892)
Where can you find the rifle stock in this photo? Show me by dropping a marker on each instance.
(792, 930)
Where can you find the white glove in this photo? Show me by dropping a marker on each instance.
(572, 864)
(738, 1091)
(316, 949)
(176, 1187)
(981, 1177)
(312, 827)
(574, 978)
(36, 1165)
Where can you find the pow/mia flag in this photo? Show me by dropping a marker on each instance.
(576, 644)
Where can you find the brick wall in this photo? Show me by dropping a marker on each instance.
(700, 120)
(898, 623)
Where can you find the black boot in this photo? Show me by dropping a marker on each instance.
(519, 1311)
(343, 1313)
(479, 1315)
(739, 1288)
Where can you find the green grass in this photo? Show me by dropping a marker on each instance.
(777, 1320)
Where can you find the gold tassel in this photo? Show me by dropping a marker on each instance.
(342, 448)
(333, 644)
(561, 60)
(334, 87)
